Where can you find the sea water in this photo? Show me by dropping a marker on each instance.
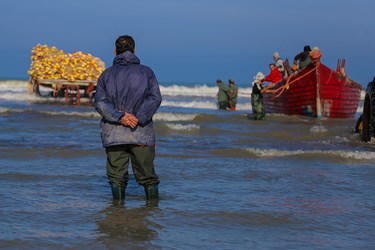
(227, 182)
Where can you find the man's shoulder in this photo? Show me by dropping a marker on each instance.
(131, 67)
(140, 68)
(145, 67)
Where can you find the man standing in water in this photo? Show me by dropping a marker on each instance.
(233, 92)
(222, 96)
(127, 96)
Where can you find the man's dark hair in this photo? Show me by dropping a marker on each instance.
(124, 43)
(307, 48)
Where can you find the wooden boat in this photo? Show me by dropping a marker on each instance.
(316, 91)
(61, 88)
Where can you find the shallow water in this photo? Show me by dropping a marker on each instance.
(227, 182)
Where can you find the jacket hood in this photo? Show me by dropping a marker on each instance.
(126, 58)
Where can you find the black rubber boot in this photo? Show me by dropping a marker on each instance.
(118, 191)
(152, 195)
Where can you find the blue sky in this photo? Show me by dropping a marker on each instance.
(193, 41)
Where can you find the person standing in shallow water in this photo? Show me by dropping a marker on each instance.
(233, 92)
(127, 97)
(257, 97)
(222, 95)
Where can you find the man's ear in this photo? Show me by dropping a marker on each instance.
(115, 52)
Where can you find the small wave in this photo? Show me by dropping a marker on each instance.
(4, 110)
(354, 155)
(171, 117)
(176, 90)
(181, 127)
(193, 104)
(52, 113)
(13, 110)
(13, 83)
(212, 105)
(198, 91)
(19, 96)
(93, 114)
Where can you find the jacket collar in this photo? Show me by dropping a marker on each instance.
(126, 58)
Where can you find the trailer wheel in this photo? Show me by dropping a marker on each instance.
(366, 127)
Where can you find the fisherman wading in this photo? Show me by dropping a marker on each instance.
(127, 96)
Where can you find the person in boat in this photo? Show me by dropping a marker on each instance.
(257, 97)
(127, 97)
(274, 75)
(302, 59)
(222, 95)
(279, 63)
(233, 92)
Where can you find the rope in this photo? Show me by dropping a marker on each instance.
(287, 84)
(315, 57)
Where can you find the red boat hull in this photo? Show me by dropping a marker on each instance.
(338, 96)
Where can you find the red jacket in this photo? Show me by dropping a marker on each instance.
(274, 76)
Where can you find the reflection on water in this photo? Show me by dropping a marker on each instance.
(127, 227)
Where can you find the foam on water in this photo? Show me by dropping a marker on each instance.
(182, 127)
(212, 105)
(199, 91)
(318, 129)
(191, 104)
(171, 117)
(93, 114)
(275, 153)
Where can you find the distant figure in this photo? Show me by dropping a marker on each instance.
(279, 63)
(257, 97)
(315, 55)
(222, 95)
(233, 92)
(127, 97)
(302, 59)
(274, 75)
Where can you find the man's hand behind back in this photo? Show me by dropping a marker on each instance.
(129, 120)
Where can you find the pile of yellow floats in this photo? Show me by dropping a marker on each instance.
(54, 73)
(52, 63)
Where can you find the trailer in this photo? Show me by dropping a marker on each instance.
(72, 92)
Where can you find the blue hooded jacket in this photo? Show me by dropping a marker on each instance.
(127, 86)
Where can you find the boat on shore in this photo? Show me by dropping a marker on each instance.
(315, 91)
